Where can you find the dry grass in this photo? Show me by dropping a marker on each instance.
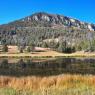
(55, 85)
(13, 52)
(47, 53)
(35, 83)
(34, 54)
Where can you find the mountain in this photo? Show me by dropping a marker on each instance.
(43, 19)
(49, 30)
(53, 20)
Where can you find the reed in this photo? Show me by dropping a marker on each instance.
(36, 83)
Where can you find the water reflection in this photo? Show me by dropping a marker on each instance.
(28, 67)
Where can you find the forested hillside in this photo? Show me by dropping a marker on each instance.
(57, 32)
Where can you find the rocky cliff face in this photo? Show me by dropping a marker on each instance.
(42, 19)
(52, 20)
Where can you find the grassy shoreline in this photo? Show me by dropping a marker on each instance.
(42, 55)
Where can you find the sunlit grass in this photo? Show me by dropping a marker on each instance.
(54, 85)
(83, 90)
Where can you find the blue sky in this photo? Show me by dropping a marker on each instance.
(11, 10)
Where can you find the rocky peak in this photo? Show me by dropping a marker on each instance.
(55, 19)
(50, 20)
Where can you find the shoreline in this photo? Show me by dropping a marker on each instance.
(45, 55)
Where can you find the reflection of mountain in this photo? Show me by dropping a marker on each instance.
(48, 68)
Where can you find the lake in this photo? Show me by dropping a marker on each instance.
(31, 67)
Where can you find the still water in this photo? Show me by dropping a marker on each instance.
(29, 67)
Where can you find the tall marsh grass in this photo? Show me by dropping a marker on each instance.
(55, 85)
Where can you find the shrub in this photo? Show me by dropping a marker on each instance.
(5, 48)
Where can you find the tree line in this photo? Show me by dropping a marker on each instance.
(69, 39)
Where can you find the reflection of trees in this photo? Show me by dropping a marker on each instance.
(54, 67)
(4, 63)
